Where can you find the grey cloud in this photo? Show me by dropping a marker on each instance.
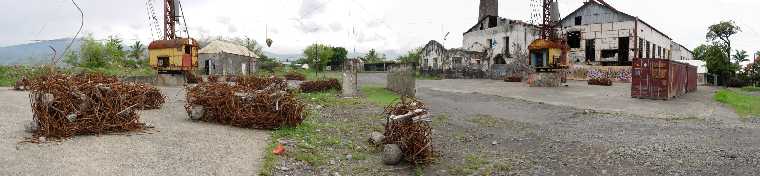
(336, 26)
(307, 26)
(310, 8)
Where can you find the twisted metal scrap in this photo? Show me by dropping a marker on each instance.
(412, 134)
(252, 102)
(321, 85)
(65, 106)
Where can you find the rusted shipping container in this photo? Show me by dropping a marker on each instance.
(693, 79)
(662, 79)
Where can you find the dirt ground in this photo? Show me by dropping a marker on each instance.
(481, 129)
(176, 146)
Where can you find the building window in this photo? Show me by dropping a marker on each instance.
(506, 47)
(578, 20)
(609, 53)
(188, 49)
(574, 39)
(641, 48)
(490, 43)
(649, 47)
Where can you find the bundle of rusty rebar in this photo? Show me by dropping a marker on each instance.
(149, 97)
(295, 76)
(513, 79)
(320, 85)
(600, 82)
(65, 105)
(408, 125)
(252, 102)
(21, 84)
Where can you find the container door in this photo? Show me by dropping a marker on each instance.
(187, 60)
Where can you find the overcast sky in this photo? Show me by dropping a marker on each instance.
(394, 25)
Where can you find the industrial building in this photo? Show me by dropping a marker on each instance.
(491, 42)
(599, 34)
(596, 33)
(224, 58)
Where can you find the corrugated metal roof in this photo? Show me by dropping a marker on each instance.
(219, 46)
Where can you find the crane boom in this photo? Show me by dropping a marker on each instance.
(170, 19)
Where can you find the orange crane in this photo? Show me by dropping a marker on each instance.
(549, 52)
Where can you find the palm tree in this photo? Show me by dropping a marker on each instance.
(740, 56)
(137, 50)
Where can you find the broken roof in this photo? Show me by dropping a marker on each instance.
(218, 46)
(604, 4)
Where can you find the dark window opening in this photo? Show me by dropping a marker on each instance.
(649, 50)
(578, 20)
(492, 21)
(490, 43)
(641, 48)
(623, 50)
(188, 49)
(574, 39)
(163, 61)
(609, 53)
(499, 59)
(590, 51)
(506, 47)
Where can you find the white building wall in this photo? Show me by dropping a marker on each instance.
(519, 33)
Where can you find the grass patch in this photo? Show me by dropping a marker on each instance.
(471, 165)
(751, 89)
(379, 95)
(484, 120)
(327, 98)
(744, 104)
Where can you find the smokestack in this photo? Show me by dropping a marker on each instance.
(488, 7)
(555, 12)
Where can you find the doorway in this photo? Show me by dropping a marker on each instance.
(590, 51)
(623, 51)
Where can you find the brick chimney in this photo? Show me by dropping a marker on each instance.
(488, 7)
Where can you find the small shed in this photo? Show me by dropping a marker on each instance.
(225, 58)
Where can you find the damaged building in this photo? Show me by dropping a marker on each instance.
(599, 34)
(487, 47)
(596, 33)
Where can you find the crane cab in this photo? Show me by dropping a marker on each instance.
(173, 56)
(548, 55)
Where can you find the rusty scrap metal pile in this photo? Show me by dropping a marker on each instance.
(408, 126)
(295, 76)
(320, 85)
(68, 105)
(600, 81)
(251, 102)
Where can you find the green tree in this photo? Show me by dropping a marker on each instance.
(318, 55)
(92, 53)
(412, 56)
(72, 59)
(740, 56)
(114, 50)
(137, 50)
(722, 33)
(372, 57)
(700, 51)
(340, 55)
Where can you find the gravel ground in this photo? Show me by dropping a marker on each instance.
(484, 127)
(176, 146)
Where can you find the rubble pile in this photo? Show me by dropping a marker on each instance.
(408, 126)
(513, 79)
(600, 81)
(251, 102)
(320, 85)
(66, 105)
(295, 76)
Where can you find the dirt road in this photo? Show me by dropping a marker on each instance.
(176, 146)
(481, 127)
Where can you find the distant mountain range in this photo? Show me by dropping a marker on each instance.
(37, 52)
